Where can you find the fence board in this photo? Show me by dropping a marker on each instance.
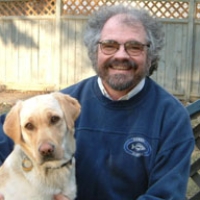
(68, 54)
(2, 55)
(64, 56)
(45, 51)
(34, 52)
(11, 55)
(171, 71)
(78, 51)
(195, 86)
(24, 55)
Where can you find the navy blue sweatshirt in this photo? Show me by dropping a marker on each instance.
(133, 149)
(6, 144)
(137, 149)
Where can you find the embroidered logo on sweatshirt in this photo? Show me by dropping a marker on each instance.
(137, 146)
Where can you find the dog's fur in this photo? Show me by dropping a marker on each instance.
(41, 164)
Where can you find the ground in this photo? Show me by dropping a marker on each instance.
(9, 97)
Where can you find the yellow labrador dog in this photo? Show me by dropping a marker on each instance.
(41, 164)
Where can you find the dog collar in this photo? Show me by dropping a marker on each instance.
(69, 162)
(66, 164)
(28, 166)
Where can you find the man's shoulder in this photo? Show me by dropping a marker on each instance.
(6, 143)
(2, 118)
(164, 99)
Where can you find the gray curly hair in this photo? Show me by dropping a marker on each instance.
(153, 28)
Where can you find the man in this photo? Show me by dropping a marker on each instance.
(134, 139)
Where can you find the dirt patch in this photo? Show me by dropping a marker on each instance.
(9, 98)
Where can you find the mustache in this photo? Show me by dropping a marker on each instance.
(125, 63)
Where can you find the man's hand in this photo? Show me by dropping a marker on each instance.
(2, 197)
(58, 197)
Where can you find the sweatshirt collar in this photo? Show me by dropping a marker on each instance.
(132, 93)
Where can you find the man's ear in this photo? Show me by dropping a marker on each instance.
(70, 107)
(11, 125)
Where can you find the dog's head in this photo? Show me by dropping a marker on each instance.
(44, 126)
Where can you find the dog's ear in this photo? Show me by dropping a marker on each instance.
(70, 107)
(12, 123)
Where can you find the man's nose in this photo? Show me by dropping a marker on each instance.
(121, 53)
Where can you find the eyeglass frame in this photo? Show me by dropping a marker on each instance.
(142, 46)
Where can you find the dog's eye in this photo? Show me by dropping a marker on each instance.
(29, 126)
(54, 119)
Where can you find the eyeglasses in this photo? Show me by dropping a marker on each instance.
(132, 48)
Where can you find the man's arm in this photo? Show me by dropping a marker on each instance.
(56, 197)
(6, 143)
(1, 197)
(170, 171)
(59, 197)
(169, 177)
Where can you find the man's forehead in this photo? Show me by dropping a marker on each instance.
(115, 27)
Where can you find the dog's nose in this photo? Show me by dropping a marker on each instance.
(46, 149)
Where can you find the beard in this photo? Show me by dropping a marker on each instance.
(121, 81)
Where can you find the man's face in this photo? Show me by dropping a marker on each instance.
(121, 71)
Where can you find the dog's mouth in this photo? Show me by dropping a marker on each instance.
(49, 158)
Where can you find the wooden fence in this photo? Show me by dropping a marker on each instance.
(41, 43)
(41, 48)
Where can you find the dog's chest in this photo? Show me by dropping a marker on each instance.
(23, 190)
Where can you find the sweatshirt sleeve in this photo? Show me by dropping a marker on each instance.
(6, 144)
(169, 175)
